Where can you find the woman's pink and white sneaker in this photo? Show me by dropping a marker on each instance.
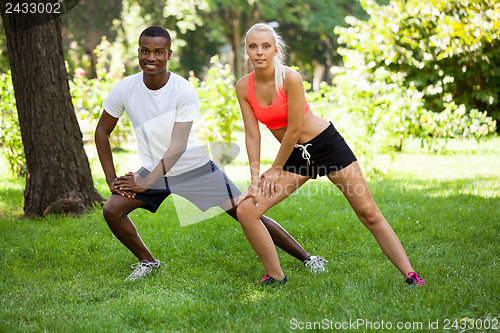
(414, 279)
(268, 280)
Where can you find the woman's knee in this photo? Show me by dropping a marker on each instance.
(370, 216)
(247, 211)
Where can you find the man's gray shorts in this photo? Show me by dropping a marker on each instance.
(206, 187)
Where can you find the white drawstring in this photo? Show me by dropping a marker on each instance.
(305, 153)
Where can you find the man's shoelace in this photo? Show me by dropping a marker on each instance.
(141, 268)
(316, 263)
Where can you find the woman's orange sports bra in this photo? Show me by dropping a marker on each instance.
(276, 115)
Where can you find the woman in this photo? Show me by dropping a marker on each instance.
(310, 146)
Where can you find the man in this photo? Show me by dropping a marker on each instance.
(162, 107)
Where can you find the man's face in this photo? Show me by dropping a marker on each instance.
(154, 54)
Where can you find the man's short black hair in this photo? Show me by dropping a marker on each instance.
(156, 31)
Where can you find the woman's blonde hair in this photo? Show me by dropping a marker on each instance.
(278, 59)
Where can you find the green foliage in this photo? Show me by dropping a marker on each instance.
(308, 31)
(193, 51)
(10, 132)
(387, 102)
(219, 106)
(391, 112)
(441, 47)
(455, 122)
(4, 57)
(89, 94)
(83, 28)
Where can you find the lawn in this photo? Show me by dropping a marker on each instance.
(66, 274)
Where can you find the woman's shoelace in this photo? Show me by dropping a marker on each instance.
(414, 276)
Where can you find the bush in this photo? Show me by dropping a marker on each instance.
(10, 132)
(89, 94)
(379, 85)
(219, 106)
(442, 47)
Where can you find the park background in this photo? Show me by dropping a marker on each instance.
(413, 86)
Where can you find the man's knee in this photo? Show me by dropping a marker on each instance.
(117, 207)
(109, 211)
(113, 211)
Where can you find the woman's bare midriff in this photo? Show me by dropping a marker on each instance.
(311, 127)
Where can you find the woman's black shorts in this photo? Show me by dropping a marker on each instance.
(326, 153)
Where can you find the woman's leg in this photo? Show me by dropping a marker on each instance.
(351, 182)
(256, 232)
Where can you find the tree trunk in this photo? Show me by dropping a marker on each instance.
(236, 47)
(58, 178)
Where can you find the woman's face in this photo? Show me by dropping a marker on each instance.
(260, 48)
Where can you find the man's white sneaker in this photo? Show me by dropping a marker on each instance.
(315, 264)
(143, 268)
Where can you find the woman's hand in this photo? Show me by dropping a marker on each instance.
(268, 184)
(251, 192)
(131, 182)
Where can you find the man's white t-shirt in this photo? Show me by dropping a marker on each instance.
(153, 114)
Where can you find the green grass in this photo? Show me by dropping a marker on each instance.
(63, 274)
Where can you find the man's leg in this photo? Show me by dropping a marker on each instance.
(281, 238)
(115, 213)
(214, 188)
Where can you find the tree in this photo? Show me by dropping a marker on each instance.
(58, 177)
(4, 58)
(309, 33)
(86, 24)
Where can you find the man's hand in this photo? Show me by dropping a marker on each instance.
(131, 182)
(251, 192)
(114, 188)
